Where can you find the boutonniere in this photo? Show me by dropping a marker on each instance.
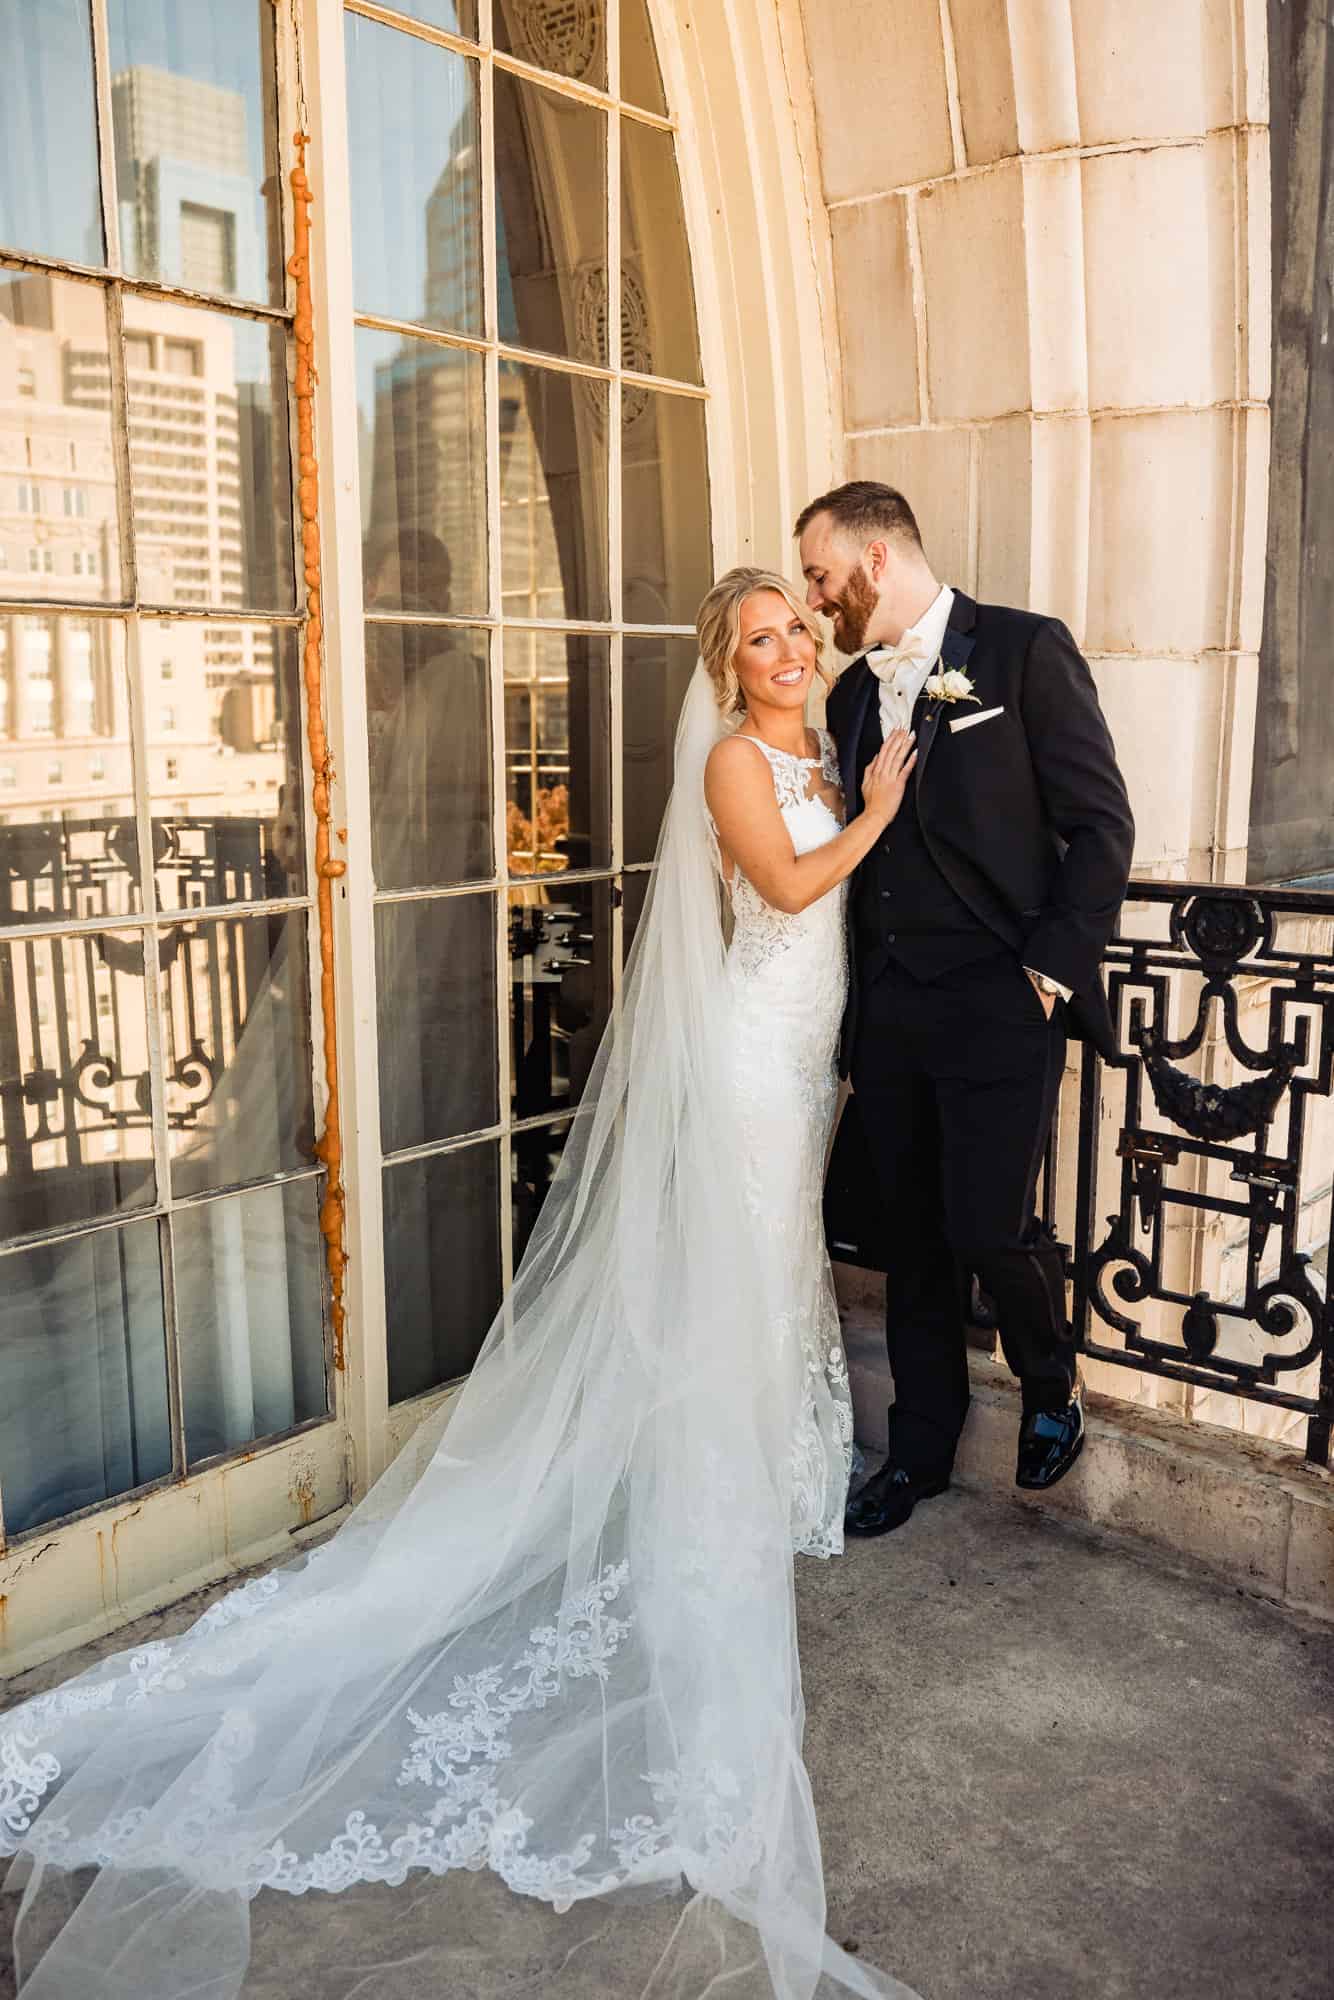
(950, 686)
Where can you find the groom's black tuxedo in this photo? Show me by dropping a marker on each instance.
(1024, 815)
(1012, 848)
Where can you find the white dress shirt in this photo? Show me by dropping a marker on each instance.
(904, 670)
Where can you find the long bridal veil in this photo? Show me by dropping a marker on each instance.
(557, 1640)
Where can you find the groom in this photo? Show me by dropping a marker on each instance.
(976, 929)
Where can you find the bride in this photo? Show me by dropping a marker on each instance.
(557, 1640)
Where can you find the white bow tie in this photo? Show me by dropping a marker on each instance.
(896, 663)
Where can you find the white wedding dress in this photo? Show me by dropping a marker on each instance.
(557, 1640)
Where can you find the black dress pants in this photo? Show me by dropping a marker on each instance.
(956, 1082)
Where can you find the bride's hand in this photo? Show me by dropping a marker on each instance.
(886, 776)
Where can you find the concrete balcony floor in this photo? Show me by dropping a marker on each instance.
(1046, 1761)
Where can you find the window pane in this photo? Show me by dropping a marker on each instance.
(69, 848)
(666, 545)
(76, 1138)
(553, 494)
(48, 132)
(641, 79)
(442, 1265)
(658, 333)
(551, 220)
(236, 1050)
(429, 700)
(569, 39)
(656, 673)
(83, 1374)
(456, 17)
(423, 495)
(414, 133)
(193, 115)
(60, 537)
(222, 722)
(435, 974)
(534, 1159)
(211, 468)
(557, 751)
(560, 990)
(249, 1274)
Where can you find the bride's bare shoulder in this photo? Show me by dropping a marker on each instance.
(735, 760)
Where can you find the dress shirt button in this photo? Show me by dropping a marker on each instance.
(891, 937)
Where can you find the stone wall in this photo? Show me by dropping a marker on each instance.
(1049, 231)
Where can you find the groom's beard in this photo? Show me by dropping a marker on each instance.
(853, 612)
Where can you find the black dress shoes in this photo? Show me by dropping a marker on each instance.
(888, 1499)
(1049, 1443)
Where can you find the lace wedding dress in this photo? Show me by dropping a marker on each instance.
(557, 1640)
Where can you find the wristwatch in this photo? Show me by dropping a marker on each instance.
(1046, 984)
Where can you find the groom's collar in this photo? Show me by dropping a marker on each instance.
(959, 640)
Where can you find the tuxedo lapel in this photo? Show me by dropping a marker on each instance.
(859, 700)
(955, 649)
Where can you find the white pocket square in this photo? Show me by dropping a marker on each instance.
(971, 721)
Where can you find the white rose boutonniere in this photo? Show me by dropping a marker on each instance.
(950, 686)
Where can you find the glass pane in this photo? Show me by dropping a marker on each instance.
(569, 39)
(641, 79)
(667, 551)
(211, 468)
(634, 890)
(560, 990)
(236, 1050)
(435, 976)
(414, 133)
(197, 174)
(557, 751)
(59, 535)
(423, 492)
(76, 1139)
(658, 333)
(442, 1265)
(69, 843)
(553, 494)
(249, 1275)
(429, 700)
(48, 132)
(656, 673)
(83, 1374)
(456, 17)
(222, 723)
(551, 220)
(534, 1158)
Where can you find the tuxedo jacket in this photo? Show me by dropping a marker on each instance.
(1023, 808)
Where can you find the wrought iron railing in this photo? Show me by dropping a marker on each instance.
(1202, 1194)
(1223, 1000)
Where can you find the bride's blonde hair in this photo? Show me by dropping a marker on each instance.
(718, 624)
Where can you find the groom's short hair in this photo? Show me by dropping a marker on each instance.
(865, 510)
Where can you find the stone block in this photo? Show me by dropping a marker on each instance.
(1159, 544)
(877, 324)
(1164, 719)
(1062, 460)
(986, 80)
(974, 269)
(1159, 272)
(1309, 1582)
(1043, 63)
(1005, 510)
(932, 468)
(1252, 501)
(881, 102)
(1054, 252)
(1146, 70)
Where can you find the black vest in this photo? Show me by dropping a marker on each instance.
(903, 909)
